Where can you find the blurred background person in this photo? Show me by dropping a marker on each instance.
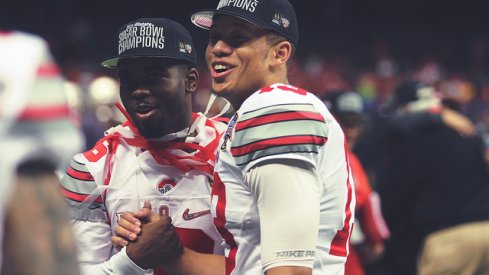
(37, 134)
(370, 232)
(434, 189)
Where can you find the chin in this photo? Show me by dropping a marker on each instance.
(219, 88)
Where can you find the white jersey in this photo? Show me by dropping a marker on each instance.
(35, 119)
(282, 122)
(122, 171)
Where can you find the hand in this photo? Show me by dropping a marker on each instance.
(129, 226)
(370, 253)
(157, 244)
(458, 122)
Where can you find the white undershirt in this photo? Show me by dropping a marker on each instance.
(287, 193)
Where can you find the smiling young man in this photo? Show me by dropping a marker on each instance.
(282, 193)
(163, 154)
(283, 196)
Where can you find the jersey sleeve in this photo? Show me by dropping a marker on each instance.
(82, 193)
(292, 128)
(95, 251)
(280, 186)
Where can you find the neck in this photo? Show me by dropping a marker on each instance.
(237, 99)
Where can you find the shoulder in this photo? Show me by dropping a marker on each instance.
(78, 182)
(278, 120)
(278, 94)
(282, 99)
(81, 191)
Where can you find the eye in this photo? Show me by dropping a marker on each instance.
(213, 38)
(156, 75)
(237, 41)
(124, 78)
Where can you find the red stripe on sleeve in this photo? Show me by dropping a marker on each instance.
(286, 116)
(79, 175)
(78, 197)
(280, 141)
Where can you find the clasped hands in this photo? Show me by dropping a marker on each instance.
(151, 239)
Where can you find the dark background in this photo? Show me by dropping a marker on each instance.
(81, 33)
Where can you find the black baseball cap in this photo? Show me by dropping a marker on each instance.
(348, 107)
(405, 93)
(153, 37)
(274, 15)
(344, 102)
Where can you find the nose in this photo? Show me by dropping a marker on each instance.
(221, 48)
(140, 93)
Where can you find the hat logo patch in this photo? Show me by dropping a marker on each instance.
(285, 22)
(247, 5)
(141, 35)
(185, 48)
(276, 18)
(280, 20)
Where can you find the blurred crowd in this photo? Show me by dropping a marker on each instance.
(93, 94)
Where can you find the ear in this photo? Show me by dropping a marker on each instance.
(191, 80)
(282, 52)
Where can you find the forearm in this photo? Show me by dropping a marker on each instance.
(94, 251)
(119, 264)
(296, 187)
(192, 262)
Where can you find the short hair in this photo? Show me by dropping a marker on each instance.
(274, 38)
(185, 66)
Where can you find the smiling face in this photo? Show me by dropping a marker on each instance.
(241, 58)
(156, 93)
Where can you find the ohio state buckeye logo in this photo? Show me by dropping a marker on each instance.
(166, 185)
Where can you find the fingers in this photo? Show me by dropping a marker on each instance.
(127, 230)
(147, 204)
(118, 242)
(145, 212)
(130, 217)
(125, 234)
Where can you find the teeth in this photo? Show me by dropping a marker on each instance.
(220, 67)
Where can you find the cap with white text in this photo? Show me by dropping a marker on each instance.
(274, 15)
(153, 37)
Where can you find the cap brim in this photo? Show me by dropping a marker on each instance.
(113, 62)
(110, 63)
(204, 18)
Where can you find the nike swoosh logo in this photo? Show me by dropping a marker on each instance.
(190, 216)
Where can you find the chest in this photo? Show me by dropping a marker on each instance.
(137, 177)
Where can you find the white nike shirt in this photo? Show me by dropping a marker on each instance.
(283, 124)
(98, 193)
